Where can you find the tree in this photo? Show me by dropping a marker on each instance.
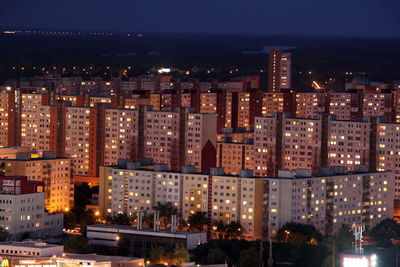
(197, 221)
(299, 233)
(157, 255)
(233, 230)
(216, 256)
(119, 219)
(385, 231)
(248, 257)
(179, 256)
(221, 227)
(166, 211)
(82, 195)
(79, 217)
(148, 220)
(337, 244)
(4, 234)
(78, 244)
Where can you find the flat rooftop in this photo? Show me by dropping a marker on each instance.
(36, 159)
(97, 258)
(29, 244)
(115, 228)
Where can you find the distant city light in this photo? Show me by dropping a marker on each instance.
(164, 70)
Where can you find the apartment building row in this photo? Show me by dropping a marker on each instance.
(100, 135)
(130, 187)
(286, 142)
(116, 85)
(234, 108)
(261, 205)
(238, 109)
(328, 199)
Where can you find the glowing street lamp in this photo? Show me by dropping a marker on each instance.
(287, 235)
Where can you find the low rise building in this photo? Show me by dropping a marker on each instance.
(22, 211)
(74, 260)
(112, 235)
(12, 151)
(30, 248)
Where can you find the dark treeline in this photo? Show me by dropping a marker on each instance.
(325, 57)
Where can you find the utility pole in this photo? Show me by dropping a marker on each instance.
(334, 253)
(270, 259)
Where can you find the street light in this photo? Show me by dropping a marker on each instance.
(287, 235)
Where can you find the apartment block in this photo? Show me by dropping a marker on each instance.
(249, 106)
(346, 105)
(278, 102)
(35, 121)
(282, 142)
(195, 192)
(238, 135)
(54, 171)
(311, 105)
(327, 200)
(120, 133)
(9, 119)
(235, 156)
(176, 138)
(349, 144)
(130, 187)
(77, 138)
(279, 70)
(379, 104)
(23, 209)
(200, 138)
(238, 199)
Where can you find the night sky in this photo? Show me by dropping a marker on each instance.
(287, 17)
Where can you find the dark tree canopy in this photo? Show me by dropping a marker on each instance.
(385, 231)
(299, 233)
(4, 234)
(78, 244)
(197, 221)
(119, 219)
(248, 257)
(79, 217)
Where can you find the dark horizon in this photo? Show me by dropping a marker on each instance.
(171, 33)
(357, 18)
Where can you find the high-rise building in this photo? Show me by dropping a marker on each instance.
(281, 142)
(279, 70)
(278, 102)
(176, 138)
(311, 105)
(235, 156)
(327, 200)
(238, 199)
(130, 187)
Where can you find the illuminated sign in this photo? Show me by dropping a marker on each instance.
(5, 263)
(358, 260)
